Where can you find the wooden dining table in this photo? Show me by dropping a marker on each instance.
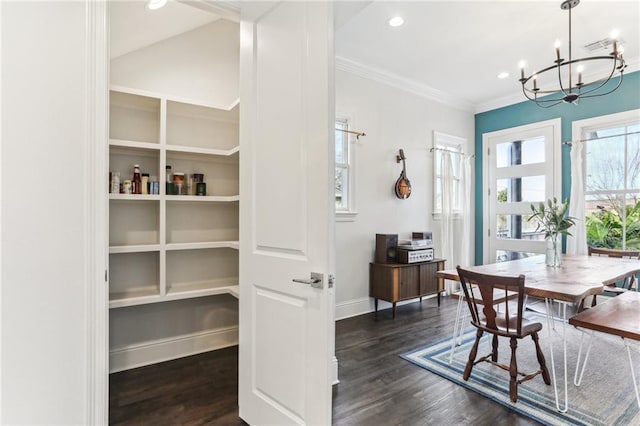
(578, 277)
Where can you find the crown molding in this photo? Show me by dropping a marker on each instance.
(390, 79)
(633, 65)
(225, 9)
(402, 83)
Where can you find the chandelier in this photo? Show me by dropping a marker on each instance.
(569, 89)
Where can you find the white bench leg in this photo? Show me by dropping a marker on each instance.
(577, 381)
(458, 327)
(549, 309)
(633, 375)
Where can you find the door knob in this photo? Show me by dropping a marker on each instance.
(315, 281)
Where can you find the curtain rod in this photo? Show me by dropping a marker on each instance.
(358, 134)
(451, 151)
(601, 137)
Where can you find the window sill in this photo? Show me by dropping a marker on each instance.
(346, 216)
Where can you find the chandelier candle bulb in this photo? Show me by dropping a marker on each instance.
(580, 69)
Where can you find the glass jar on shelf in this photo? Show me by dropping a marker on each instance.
(178, 183)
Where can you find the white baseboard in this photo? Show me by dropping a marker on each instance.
(352, 308)
(155, 351)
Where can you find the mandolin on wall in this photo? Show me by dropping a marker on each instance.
(402, 188)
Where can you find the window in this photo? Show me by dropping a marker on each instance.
(612, 184)
(344, 172)
(454, 145)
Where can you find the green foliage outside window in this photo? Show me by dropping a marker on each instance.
(604, 228)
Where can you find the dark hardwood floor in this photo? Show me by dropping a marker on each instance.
(376, 387)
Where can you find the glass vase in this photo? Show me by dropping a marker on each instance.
(554, 251)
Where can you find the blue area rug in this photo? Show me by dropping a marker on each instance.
(605, 396)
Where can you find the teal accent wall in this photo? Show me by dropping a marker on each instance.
(626, 98)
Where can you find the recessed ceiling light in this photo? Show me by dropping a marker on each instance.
(503, 75)
(156, 4)
(396, 21)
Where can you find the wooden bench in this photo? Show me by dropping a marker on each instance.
(619, 316)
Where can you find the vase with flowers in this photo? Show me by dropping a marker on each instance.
(553, 219)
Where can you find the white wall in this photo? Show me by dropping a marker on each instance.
(202, 65)
(392, 119)
(44, 225)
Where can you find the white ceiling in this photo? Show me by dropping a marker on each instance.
(133, 26)
(459, 47)
(449, 50)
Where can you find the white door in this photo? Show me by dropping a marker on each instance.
(286, 212)
(521, 167)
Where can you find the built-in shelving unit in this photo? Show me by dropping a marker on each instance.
(171, 247)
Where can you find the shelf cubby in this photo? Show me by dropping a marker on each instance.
(133, 117)
(194, 222)
(204, 271)
(123, 158)
(134, 222)
(134, 278)
(221, 172)
(202, 127)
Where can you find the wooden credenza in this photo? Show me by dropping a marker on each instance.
(393, 282)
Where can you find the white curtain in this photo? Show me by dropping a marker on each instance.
(465, 207)
(578, 243)
(446, 167)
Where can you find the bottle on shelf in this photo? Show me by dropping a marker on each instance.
(198, 184)
(191, 188)
(136, 182)
(145, 183)
(115, 183)
(153, 185)
(169, 181)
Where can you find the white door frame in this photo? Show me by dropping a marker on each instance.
(96, 207)
(96, 210)
(514, 133)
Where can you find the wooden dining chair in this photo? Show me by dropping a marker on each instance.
(628, 283)
(499, 298)
(500, 324)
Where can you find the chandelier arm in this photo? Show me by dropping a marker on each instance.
(539, 101)
(604, 81)
(526, 95)
(549, 106)
(559, 66)
(586, 95)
